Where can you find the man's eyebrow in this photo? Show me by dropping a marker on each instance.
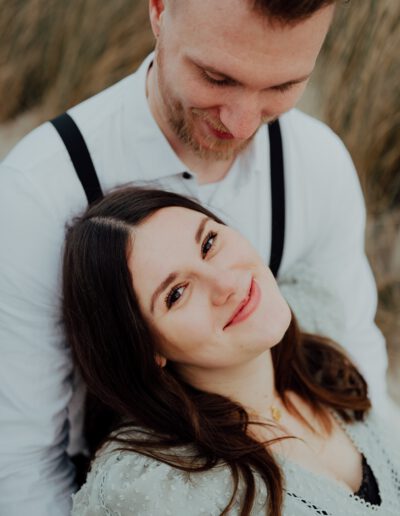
(173, 275)
(232, 80)
(290, 83)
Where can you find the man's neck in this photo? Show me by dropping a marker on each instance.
(207, 170)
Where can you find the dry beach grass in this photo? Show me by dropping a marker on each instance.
(357, 81)
(53, 54)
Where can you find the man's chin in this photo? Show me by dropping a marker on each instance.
(214, 152)
(206, 146)
(211, 148)
(219, 150)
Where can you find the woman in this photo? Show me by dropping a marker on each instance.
(218, 404)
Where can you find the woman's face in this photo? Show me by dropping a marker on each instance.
(205, 291)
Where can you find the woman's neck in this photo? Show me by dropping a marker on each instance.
(251, 384)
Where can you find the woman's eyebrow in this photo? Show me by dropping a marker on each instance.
(161, 287)
(173, 275)
(200, 229)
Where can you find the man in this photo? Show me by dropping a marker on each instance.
(192, 119)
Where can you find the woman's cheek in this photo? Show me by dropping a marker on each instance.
(184, 343)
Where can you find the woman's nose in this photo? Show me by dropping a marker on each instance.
(223, 285)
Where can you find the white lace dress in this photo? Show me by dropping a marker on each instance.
(123, 483)
(126, 483)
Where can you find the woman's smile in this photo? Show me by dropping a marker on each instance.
(247, 306)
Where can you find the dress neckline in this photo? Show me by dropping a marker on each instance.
(324, 481)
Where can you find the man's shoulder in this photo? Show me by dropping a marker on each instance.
(311, 147)
(43, 149)
(311, 132)
(308, 127)
(95, 115)
(35, 149)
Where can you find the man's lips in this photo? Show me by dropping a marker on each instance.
(247, 306)
(222, 135)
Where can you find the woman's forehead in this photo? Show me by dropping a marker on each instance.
(164, 236)
(163, 245)
(173, 219)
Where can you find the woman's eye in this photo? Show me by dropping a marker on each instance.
(174, 295)
(208, 243)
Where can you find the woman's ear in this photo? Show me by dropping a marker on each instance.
(160, 360)
(156, 9)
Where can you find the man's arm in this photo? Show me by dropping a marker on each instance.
(339, 255)
(326, 220)
(36, 477)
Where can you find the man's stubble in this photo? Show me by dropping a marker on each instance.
(182, 122)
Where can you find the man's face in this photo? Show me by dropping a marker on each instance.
(221, 70)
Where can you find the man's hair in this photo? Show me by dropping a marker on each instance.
(289, 11)
(285, 12)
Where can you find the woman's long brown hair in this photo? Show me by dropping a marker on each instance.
(114, 349)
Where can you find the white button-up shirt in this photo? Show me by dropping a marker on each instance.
(40, 193)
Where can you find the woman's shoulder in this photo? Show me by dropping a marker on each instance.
(127, 482)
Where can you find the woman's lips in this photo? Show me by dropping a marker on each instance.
(247, 307)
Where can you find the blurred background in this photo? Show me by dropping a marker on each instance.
(55, 53)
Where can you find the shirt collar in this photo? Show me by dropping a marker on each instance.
(145, 143)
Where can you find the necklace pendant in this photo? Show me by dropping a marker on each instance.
(275, 413)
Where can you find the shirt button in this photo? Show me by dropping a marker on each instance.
(186, 175)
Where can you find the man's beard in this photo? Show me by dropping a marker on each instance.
(213, 148)
(183, 124)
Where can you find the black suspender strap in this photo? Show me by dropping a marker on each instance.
(79, 154)
(277, 197)
(80, 157)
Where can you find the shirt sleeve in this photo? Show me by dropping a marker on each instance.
(128, 483)
(338, 261)
(36, 477)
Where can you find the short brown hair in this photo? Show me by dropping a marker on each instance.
(290, 11)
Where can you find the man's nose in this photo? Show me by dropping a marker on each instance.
(241, 116)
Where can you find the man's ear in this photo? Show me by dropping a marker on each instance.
(161, 361)
(156, 9)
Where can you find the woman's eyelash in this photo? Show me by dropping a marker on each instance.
(211, 235)
(206, 246)
(169, 299)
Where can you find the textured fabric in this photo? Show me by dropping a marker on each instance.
(40, 193)
(309, 295)
(124, 483)
(369, 490)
